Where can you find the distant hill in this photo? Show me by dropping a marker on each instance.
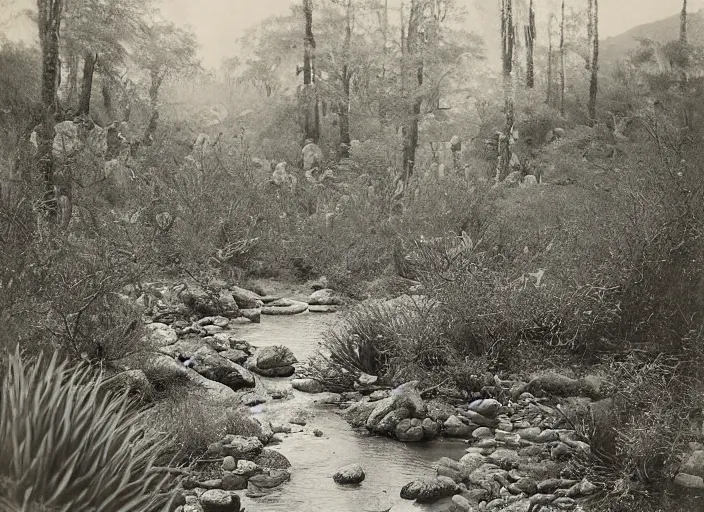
(617, 48)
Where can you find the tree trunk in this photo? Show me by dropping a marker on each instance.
(562, 60)
(413, 50)
(310, 97)
(49, 22)
(344, 108)
(594, 59)
(684, 43)
(156, 79)
(72, 80)
(548, 99)
(89, 62)
(507, 48)
(107, 102)
(530, 45)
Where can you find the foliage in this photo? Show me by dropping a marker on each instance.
(84, 445)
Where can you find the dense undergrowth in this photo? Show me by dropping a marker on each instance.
(598, 268)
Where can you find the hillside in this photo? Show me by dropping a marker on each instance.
(614, 49)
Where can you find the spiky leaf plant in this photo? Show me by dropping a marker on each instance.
(67, 444)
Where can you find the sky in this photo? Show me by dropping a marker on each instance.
(220, 23)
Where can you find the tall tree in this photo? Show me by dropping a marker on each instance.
(89, 61)
(507, 48)
(310, 96)
(549, 99)
(166, 50)
(684, 43)
(683, 24)
(49, 24)
(593, 56)
(530, 34)
(562, 60)
(346, 77)
(414, 40)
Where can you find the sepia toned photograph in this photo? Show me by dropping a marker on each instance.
(351, 255)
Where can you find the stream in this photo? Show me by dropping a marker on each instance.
(388, 464)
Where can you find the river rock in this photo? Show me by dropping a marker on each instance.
(324, 297)
(350, 474)
(488, 408)
(405, 396)
(358, 413)
(271, 459)
(323, 309)
(694, 464)
(241, 447)
(367, 380)
(454, 427)
(462, 504)
(160, 335)
(428, 490)
(246, 299)
(270, 479)
(233, 482)
(480, 419)
(431, 428)
(253, 315)
(219, 501)
(234, 355)
(409, 430)
(209, 391)
(294, 308)
(224, 371)
(229, 463)
(274, 357)
(308, 385)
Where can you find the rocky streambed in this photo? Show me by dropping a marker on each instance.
(374, 450)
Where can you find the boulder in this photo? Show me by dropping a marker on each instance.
(312, 156)
(160, 335)
(409, 430)
(454, 427)
(210, 391)
(270, 459)
(350, 474)
(293, 308)
(358, 413)
(241, 447)
(270, 479)
(322, 309)
(404, 402)
(488, 408)
(529, 181)
(274, 357)
(245, 299)
(429, 490)
(219, 501)
(324, 297)
(308, 385)
(253, 315)
(133, 380)
(694, 464)
(222, 370)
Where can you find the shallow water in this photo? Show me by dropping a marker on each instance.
(389, 465)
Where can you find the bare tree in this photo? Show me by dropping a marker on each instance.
(49, 23)
(507, 48)
(593, 56)
(549, 100)
(530, 34)
(310, 97)
(562, 60)
(344, 107)
(90, 59)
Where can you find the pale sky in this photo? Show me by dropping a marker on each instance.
(220, 23)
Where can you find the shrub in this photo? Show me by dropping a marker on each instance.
(71, 445)
(397, 341)
(195, 424)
